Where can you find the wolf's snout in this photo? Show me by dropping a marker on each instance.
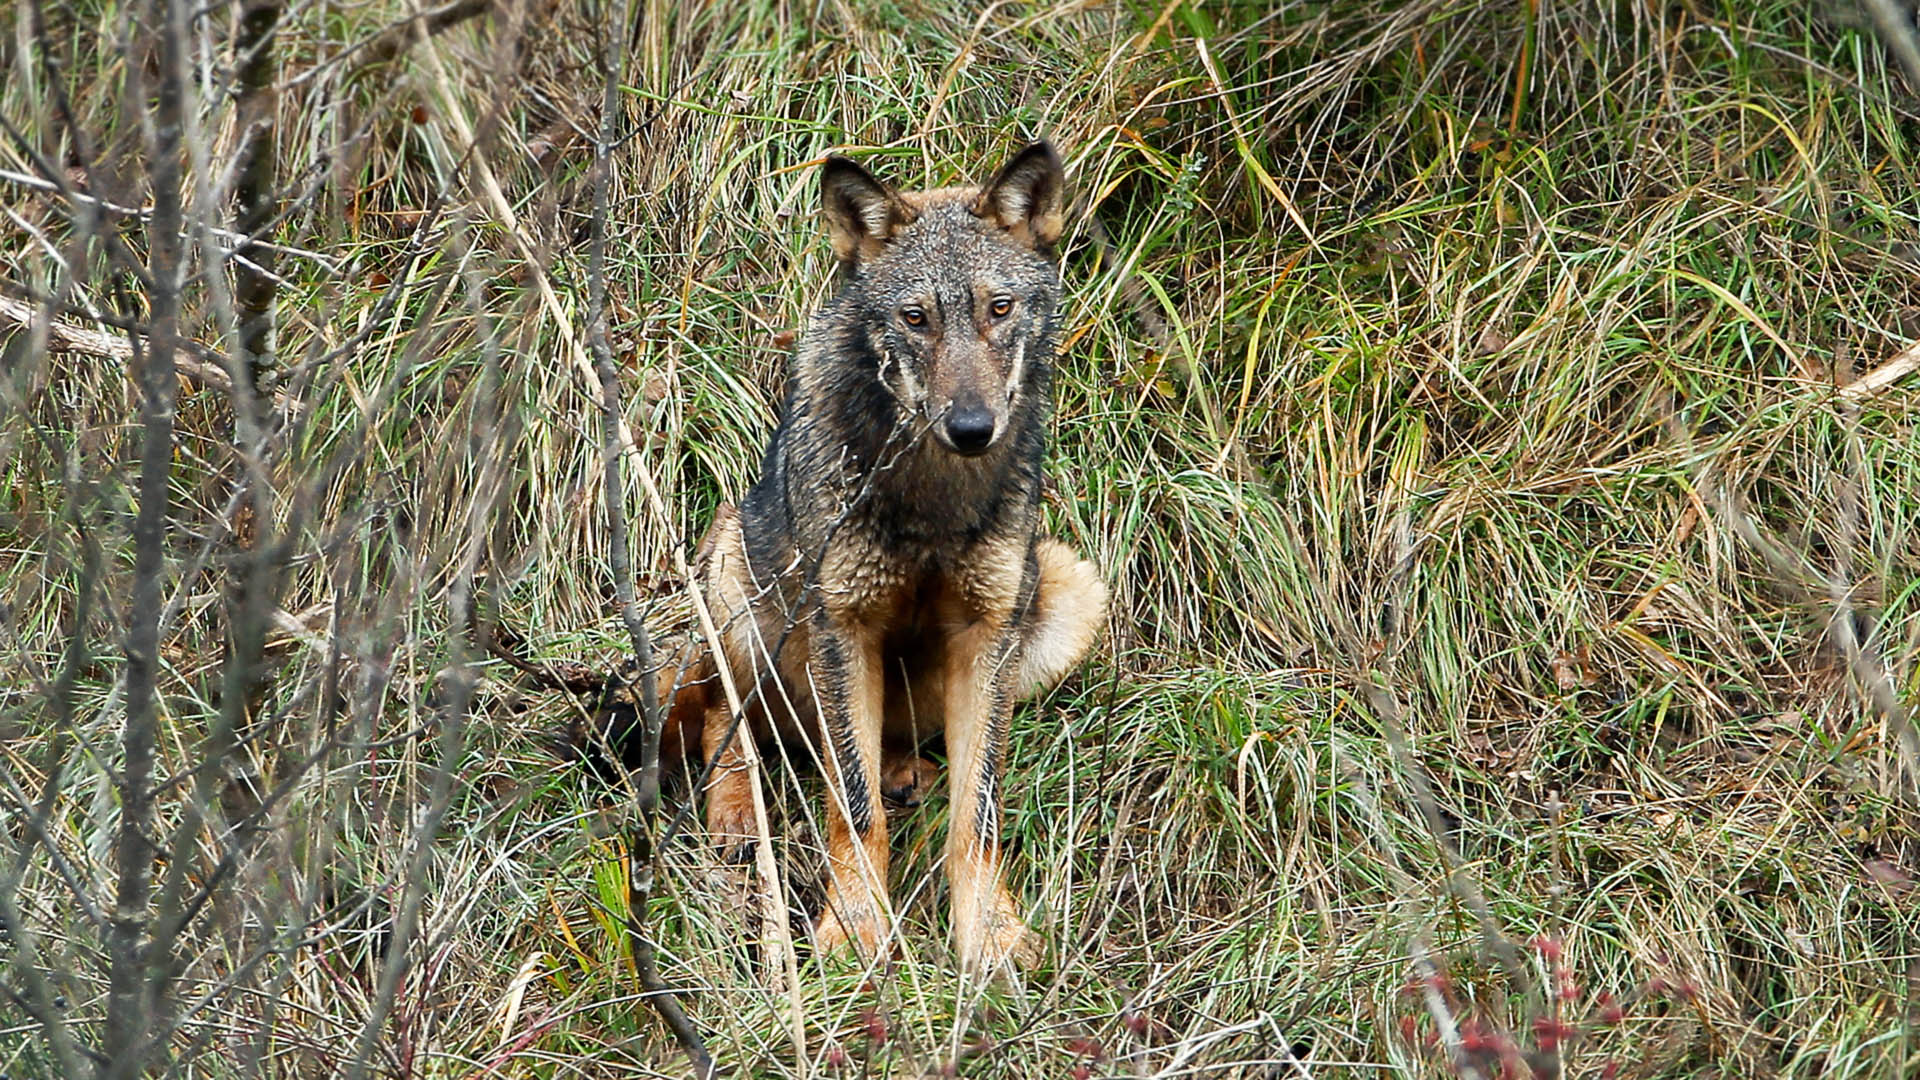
(970, 428)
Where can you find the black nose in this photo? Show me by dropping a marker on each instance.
(970, 429)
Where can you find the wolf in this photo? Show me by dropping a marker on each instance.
(885, 580)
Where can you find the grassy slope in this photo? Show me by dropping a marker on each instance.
(1381, 318)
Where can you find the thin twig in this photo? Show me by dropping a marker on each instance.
(641, 871)
(1386, 707)
(1897, 367)
(399, 37)
(240, 240)
(207, 368)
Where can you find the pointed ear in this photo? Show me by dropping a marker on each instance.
(1026, 198)
(862, 213)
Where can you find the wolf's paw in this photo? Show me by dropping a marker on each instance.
(839, 927)
(998, 941)
(736, 902)
(731, 831)
(904, 780)
(1003, 950)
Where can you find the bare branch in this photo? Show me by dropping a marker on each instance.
(255, 283)
(66, 337)
(135, 977)
(647, 784)
(401, 36)
(206, 369)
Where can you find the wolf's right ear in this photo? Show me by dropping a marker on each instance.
(862, 213)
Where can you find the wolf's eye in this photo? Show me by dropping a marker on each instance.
(1002, 306)
(913, 316)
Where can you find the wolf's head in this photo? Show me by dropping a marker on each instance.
(956, 287)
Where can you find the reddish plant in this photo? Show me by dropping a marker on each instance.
(1573, 1018)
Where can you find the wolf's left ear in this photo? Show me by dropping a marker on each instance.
(1025, 199)
(862, 213)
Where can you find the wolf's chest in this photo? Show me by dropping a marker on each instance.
(907, 583)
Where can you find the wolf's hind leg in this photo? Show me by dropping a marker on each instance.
(729, 792)
(1069, 609)
(729, 789)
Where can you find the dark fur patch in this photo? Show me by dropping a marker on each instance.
(838, 718)
(986, 817)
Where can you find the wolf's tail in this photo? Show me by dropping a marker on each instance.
(1069, 611)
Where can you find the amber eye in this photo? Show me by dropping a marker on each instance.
(913, 316)
(1002, 306)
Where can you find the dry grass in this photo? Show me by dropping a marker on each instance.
(1442, 348)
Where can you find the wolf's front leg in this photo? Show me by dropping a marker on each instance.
(848, 685)
(982, 669)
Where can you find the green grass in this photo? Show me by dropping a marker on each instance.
(1406, 343)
